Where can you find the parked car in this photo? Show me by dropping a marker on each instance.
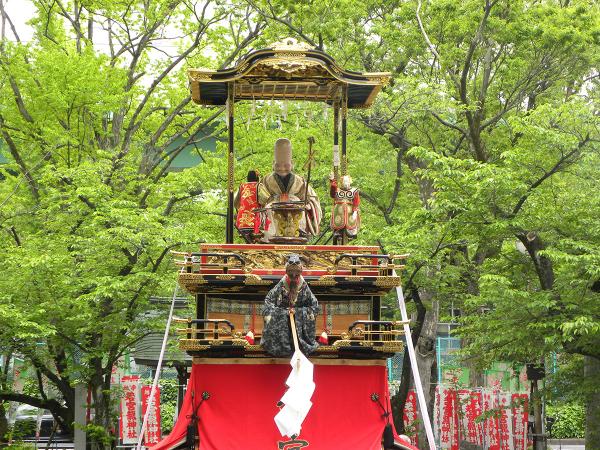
(31, 422)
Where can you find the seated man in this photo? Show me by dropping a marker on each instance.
(293, 293)
(282, 185)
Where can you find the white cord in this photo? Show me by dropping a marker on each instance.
(415, 368)
(158, 368)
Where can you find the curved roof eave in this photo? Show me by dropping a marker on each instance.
(284, 65)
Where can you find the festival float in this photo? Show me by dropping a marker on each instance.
(288, 343)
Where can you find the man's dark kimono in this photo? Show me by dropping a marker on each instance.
(277, 337)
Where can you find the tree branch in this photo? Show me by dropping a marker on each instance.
(424, 33)
(49, 404)
(133, 125)
(563, 161)
(379, 206)
(173, 200)
(448, 124)
(472, 46)
(12, 147)
(287, 22)
(163, 126)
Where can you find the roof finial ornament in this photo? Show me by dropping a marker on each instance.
(291, 44)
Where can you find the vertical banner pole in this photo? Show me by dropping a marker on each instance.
(344, 135)
(415, 368)
(336, 141)
(344, 129)
(230, 163)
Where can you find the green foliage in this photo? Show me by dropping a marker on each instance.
(569, 420)
(22, 429)
(98, 435)
(88, 205)
(480, 159)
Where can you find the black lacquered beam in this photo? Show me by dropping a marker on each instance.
(230, 163)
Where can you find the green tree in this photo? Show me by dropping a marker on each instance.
(479, 159)
(490, 108)
(93, 111)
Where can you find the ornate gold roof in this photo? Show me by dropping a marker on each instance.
(287, 70)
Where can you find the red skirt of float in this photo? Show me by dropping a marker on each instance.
(243, 403)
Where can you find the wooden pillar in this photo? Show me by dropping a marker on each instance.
(182, 378)
(376, 308)
(201, 311)
(376, 314)
(230, 163)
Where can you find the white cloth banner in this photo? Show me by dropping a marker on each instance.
(296, 400)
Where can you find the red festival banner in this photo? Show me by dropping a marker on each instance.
(504, 422)
(410, 416)
(519, 420)
(471, 428)
(129, 419)
(490, 418)
(490, 424)
(448, 417)
(152, 435)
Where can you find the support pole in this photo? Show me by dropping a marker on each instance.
(158, 369)
(344, 135)
(539, 443)
(80, 437)
(415, 368)
(230, 163)
(336, 141)
(344, 111)
(294, 332)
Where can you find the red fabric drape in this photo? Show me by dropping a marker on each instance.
(243, 398)
(246, 218)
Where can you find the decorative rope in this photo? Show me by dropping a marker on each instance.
(386, 413)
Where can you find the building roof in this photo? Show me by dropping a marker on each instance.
(287, 70)
(147, 350)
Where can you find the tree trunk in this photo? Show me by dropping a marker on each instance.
(101, 397)
(3, 423)
(591, 371)
(102, 418)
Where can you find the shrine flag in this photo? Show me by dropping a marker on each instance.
(152, 434)
(409, 415)
(520, 417)
(130, 413)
